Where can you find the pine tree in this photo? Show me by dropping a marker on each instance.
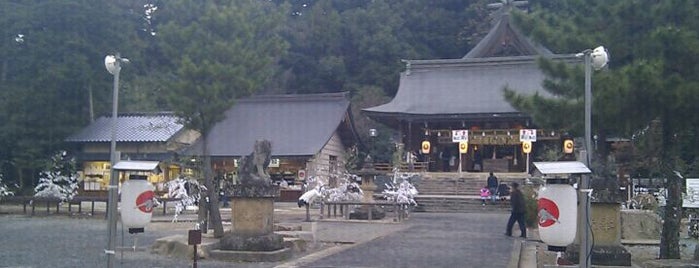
(4, 190)
(60, 180)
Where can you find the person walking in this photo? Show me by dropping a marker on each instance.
(518, 210)
(493, 187)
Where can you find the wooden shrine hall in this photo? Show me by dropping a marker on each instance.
(437, 97)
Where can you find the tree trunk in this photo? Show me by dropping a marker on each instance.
(670, 236)
(212, 192)
(209, 210)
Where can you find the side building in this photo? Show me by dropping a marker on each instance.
(139, 136)
(310, 135)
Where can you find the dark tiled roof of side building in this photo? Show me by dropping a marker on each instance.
(295, 124)
(136, 127)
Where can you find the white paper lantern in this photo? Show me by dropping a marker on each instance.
(557, 214)
(136, 202)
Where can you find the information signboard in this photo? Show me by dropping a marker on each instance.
(527, 135)
(459, 135)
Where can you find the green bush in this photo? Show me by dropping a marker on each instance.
(530, 203)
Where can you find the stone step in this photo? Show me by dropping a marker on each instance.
(458, 204)
(453, 186)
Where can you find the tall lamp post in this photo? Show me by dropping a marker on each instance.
(597, 58)
(113, 65)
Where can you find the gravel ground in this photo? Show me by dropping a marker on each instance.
(63, 241)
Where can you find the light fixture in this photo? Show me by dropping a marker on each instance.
(425, 147)
(113, 65)
(600, 57)
(373, 132)
(597, 58)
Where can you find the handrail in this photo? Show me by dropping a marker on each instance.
(400, 210)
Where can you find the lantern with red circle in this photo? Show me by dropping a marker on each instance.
(557, 214)
(137, 202)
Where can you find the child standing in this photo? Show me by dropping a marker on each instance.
(485, 194)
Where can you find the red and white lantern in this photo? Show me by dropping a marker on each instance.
(137, 202)
(557, 214)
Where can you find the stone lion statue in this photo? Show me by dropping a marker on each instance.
(252, 169)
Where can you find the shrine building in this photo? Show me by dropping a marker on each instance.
(441, 97)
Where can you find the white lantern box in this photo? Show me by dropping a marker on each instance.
(137, 202)
(557, 214)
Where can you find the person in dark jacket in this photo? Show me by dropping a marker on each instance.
(493, 187)
(517, 214)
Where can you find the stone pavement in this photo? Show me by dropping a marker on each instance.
(423, 240)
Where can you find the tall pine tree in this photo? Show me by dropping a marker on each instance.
(218, 52)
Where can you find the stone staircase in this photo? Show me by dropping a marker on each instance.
(453, 192)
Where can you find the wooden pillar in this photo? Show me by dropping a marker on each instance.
(409, 146)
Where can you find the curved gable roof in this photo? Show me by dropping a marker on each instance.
(504, 39)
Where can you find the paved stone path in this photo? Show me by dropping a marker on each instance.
(433, 240)
(424, 240)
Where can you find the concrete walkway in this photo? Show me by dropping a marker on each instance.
(423, 240)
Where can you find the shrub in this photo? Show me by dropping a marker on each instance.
(530, 194)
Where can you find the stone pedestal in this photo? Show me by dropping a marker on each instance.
(252, 236)
(605, 222)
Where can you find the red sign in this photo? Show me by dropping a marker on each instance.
(144, 201)
(548, 212)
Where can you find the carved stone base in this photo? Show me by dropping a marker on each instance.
(251, 256)
(602, 255)
(268, 242)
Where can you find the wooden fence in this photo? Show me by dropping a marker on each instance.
(33, 202)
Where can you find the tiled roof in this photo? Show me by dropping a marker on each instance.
(462, 87)
(297, 125)
(470, 87)
(156, 127)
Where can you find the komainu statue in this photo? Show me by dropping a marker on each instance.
(252, 169)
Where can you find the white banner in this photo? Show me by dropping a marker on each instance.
(691, 197)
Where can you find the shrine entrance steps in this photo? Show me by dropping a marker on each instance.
(454, 192)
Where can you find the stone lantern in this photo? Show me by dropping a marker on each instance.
(368, 174)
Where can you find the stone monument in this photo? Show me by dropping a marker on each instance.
(252, 236)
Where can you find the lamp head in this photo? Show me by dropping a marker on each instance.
(600, 57)
(110, 62)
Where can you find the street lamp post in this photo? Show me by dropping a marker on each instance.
(598, 59)
(113, 65)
